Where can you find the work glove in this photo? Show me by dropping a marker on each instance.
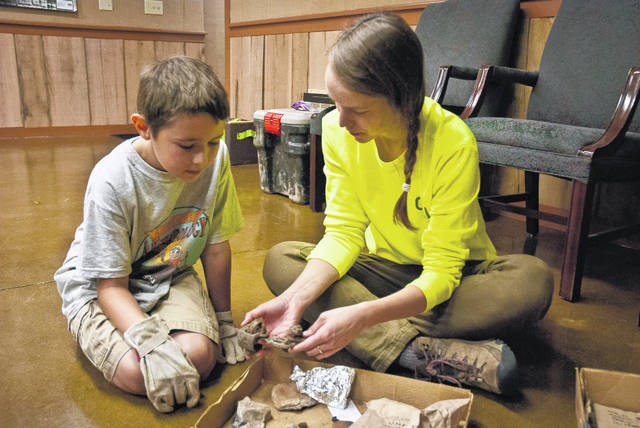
(169, 376)
(232, 352)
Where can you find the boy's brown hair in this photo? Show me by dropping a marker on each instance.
(180, 85)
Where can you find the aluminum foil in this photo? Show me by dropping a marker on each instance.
(330, 386)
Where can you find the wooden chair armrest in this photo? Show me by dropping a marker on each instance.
(622, 115)
(445, 73)
(497, 74)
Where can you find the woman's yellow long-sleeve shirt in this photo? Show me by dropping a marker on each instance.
(442, 203)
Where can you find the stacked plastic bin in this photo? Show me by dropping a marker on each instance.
(282, 143)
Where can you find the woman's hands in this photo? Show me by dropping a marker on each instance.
(284, 311)
(336, 328)
(333, 330)
(278, 314)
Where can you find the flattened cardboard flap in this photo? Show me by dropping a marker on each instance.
(217, 413)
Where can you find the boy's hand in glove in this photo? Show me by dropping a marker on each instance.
(232, 352)
(169, 376)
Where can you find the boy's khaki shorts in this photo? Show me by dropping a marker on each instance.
(186, 307)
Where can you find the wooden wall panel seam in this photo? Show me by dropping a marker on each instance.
(10, 109)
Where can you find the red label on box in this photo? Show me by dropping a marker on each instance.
(272, 122)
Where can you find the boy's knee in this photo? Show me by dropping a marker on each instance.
(200, 350)
(128, 376)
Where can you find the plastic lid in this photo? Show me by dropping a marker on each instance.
(289, 116)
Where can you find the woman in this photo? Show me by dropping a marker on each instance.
(402, 182)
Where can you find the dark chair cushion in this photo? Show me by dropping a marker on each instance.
(552, 148)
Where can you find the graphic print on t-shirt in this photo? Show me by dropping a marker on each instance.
(172, 246)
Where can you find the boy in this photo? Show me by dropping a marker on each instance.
(153, 206)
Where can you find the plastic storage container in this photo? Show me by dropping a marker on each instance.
(282, 143)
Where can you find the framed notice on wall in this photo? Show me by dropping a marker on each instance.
(59, 5)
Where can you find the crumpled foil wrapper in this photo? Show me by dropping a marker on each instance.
(330, 386)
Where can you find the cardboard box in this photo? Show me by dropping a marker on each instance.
(276, 367)
(238, 136)
(616, 390)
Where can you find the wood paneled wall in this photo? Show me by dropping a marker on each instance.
(269, 10)
(274, 70)
(51, 81)
(63, 72)
(179, 16)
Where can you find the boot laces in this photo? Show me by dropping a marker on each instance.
(451, 369)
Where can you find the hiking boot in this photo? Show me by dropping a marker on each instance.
(489, 364)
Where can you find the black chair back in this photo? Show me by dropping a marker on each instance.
(588, 41)
(467, 33)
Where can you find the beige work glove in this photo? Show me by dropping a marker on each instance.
(169, 376)
(231, 351)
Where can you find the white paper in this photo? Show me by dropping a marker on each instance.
(66, 5)
(441, 413)
(610, 417)
(348, 414)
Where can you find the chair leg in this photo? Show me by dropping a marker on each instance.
(576, 240)
(487, 175)
(532, 189)
(530, 245)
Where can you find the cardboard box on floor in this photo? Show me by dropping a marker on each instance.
(616, 390)
(275, 367)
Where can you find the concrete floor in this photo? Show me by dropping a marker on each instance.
(46, 381)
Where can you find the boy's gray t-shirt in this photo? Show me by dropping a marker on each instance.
(144, 223)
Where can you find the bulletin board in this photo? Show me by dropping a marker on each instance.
(57, 5)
